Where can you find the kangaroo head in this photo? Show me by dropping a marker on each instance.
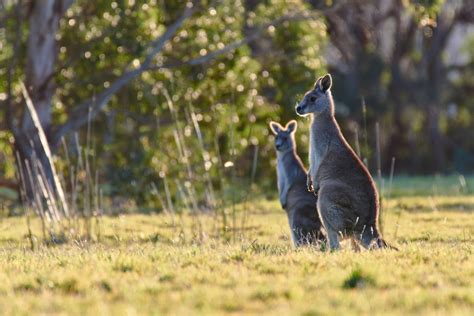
(284, 136)
(318, 99)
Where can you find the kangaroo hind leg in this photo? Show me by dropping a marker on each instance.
(332, 219)
(333, 239)
(370, 238)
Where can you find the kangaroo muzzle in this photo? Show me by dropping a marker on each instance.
(300, 109)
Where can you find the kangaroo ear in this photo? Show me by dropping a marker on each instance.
(326, 82)
(316, 84)
(275, 127)
(291, 126)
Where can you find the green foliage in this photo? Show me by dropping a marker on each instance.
(178, 121)
(426, 9)
(220, 98)
(7, 166)
(358, 279)
(181, 123)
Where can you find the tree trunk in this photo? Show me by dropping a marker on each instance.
(397, 142)
(32, 164)
(434, 81)
(41, 54)
(435, 138)
(41, 58)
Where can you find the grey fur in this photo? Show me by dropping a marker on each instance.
(299, 204)
(348, 201)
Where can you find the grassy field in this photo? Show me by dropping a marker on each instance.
(159, 264)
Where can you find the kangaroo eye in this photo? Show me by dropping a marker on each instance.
(313, 98)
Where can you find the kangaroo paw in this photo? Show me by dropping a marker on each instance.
(309, 183)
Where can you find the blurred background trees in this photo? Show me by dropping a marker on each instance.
(404, 58)
(176, 92)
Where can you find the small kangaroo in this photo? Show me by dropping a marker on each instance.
(348, 201)
(299, 204)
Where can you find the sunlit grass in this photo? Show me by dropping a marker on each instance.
(158, 264)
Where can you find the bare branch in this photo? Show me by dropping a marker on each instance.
(234, 45)
(466, 13)
(403, 36)
(46, 148)
(444, 29)
(81, 114)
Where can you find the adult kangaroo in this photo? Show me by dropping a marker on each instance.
(299, 204)
(348, 202)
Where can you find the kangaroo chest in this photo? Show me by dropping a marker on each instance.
(281, 175)
(318, 148)
(289, 172)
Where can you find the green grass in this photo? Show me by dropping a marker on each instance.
(429, 185)
(156, 264)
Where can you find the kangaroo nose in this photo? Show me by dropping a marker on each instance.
(299, 108)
